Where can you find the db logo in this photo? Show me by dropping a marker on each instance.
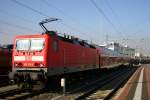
(28, 58)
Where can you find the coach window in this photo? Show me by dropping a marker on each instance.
(55, 45)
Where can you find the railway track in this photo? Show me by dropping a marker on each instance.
(86, 90)
(15, 94)
(108, 88)
(4, 80)
(75, 87)
(19, 94)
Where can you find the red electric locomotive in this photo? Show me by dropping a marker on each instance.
(38, 57)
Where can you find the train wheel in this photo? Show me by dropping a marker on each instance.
(20, 86)
(39, 86)
(25, 86)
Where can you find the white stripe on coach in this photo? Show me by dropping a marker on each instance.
(138, 91)
(37, 58)
(19, 58)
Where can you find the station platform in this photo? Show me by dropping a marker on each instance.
(138, 86)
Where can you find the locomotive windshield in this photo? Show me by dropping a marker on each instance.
(30, 44)
(37, 44)
(23, 44)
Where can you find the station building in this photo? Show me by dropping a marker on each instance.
(125, 50)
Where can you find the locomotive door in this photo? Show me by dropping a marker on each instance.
(64, 57)
(55, 52)
(99, 61)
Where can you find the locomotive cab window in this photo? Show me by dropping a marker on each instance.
(37, 44)
(23, 44)
(55, 45)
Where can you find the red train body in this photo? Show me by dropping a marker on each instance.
(57, 55)
(46, 55)
(5, 60)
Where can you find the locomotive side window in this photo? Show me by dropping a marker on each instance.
(55, 45)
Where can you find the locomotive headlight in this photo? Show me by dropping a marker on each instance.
(41, 65)
(16, 64)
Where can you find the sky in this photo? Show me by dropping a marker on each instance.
(123, 21)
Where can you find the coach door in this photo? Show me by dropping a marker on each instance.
(55, 46)
(55, 53)
(99, 60)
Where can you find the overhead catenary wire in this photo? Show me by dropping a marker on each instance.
(68, 16)
(39, 12)
(63, 13)
(17, 26)
(114, 13)
(1, 32)
(59, 10)
(28, 7)
(15, 16)
(75, 29)
(104, 15)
